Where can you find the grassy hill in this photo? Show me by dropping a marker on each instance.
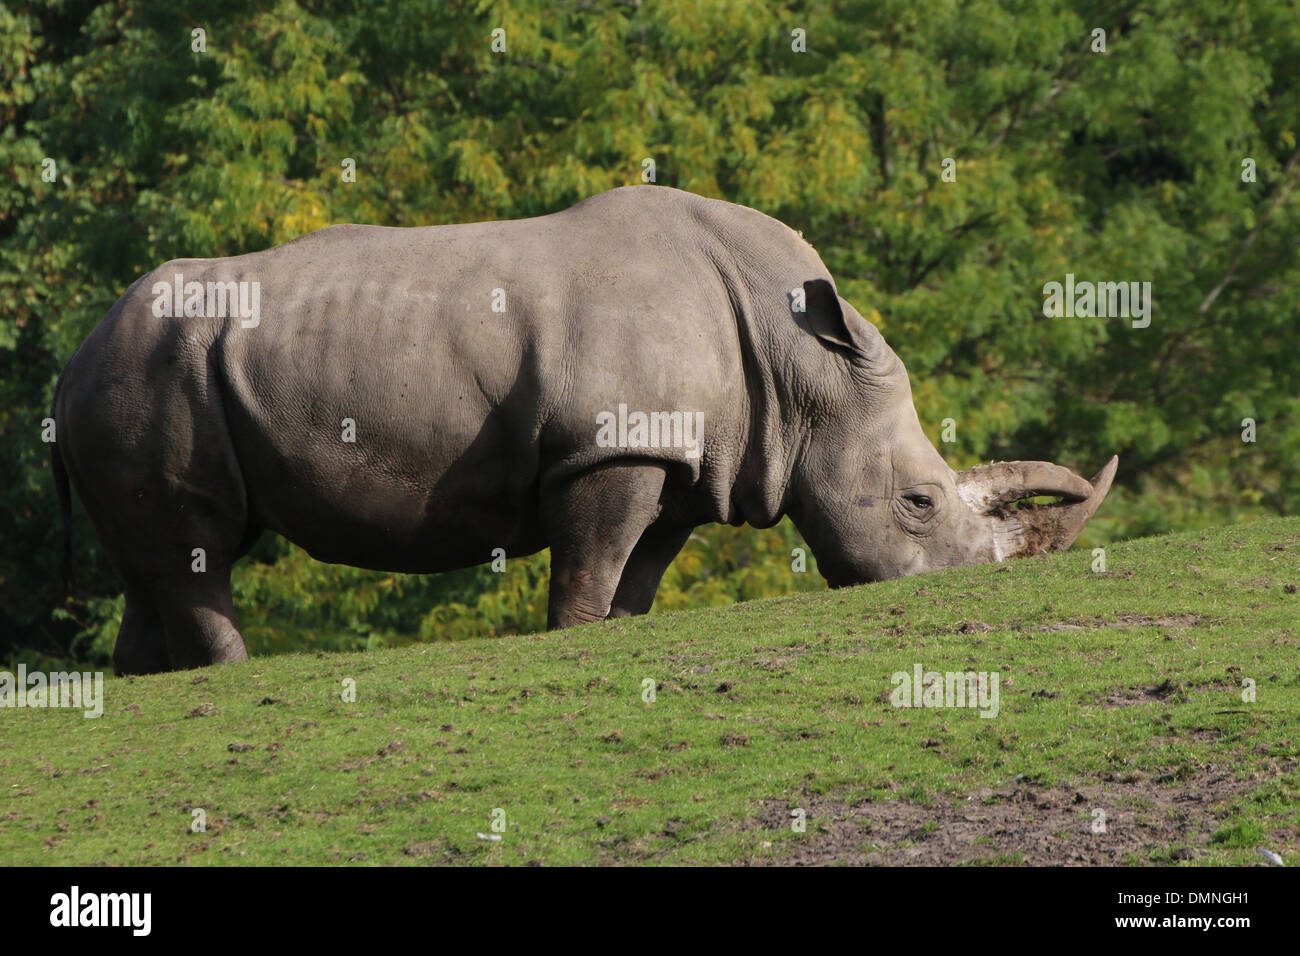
(1120, 702)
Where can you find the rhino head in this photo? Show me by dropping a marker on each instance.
(873, 497)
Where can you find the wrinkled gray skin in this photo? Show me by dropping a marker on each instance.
(476, 429)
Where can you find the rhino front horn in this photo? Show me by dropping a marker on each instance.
(1033, 529)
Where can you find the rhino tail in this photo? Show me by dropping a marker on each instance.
(64, 491)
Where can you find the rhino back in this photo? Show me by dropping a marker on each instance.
(459, 411)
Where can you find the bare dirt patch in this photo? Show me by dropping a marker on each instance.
(1144, 695)
(1129, 620)
(1024, 823)
(1167, 691)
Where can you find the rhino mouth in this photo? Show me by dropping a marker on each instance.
(1027, 529)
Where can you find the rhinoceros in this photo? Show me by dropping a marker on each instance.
(599, 381)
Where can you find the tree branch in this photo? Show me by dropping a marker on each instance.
(1231, 274)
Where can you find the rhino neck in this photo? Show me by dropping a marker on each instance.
(775, 426)
(789, 375)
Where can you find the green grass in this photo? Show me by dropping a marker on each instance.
(760, 707)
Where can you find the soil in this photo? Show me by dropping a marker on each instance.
(1023, 823)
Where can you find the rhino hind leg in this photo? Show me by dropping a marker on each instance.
(198, 614)
(174, 543)
(177, 617)
(179, 611)
(200, 624)
(645, 569)
(594, 521)
(141, 646)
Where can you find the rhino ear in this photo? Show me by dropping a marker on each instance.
(825, 316)
(838, 324)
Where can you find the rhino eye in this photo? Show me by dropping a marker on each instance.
(919, 501)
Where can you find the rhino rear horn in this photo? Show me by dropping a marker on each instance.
(1034, 529)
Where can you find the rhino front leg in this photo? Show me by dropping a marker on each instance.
(593, 522)
(645, 569)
